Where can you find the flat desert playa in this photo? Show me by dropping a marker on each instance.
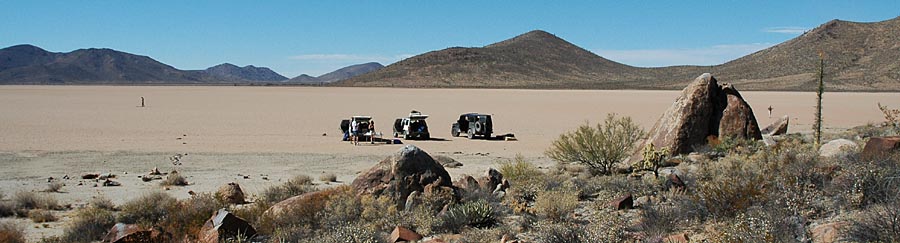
(280, 132)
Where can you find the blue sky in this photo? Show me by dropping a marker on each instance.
(315, 37)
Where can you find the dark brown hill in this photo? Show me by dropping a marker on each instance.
(859, 57)
(231, 72)
(536, 59)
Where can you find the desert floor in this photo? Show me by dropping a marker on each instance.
(279, 132)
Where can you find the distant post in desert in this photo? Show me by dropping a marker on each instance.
(142, 101)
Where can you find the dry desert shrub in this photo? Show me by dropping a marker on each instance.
(148, 209)
(598, 147)
(518, 169)
(54, 186)
(188, 216)
(878, 223)
(730, 186)
(24, 201)
(11, 233)
(485, 235)
(331, 177)
(41, 216)
(556, 205)
(303, 213)
(7, 209)
(298, 185)
(88, 225)
(102, 202)
(347, 232)
(562, 233)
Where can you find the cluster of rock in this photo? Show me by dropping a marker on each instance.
(705, 109)
(222, 226)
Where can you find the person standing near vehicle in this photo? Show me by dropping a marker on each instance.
(372, 131)
(354, 128)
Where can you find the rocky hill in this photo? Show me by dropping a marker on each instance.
(338, 75)
(27, 64)
(859, 57)
(231, 72)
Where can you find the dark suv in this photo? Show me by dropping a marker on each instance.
(472, 125)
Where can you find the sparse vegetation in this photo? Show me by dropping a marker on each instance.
(11, 233)
(478, 214)
(879, 223)
(556, 205)
(41, 216)
(24, 201)
(102, 203)
(54, 186)
(298, 185)
(891, 117)
(600, 147)
(88, 225)
(149, 209)
(330, 177)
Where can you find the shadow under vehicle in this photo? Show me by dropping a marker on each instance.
(473, 125)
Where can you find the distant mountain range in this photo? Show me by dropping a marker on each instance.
(28, 64)
(338, 75)
(858, 57)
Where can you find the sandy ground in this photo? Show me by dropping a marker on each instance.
(279, 132)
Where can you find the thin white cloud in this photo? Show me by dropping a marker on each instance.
(712, 55)
(786, 30)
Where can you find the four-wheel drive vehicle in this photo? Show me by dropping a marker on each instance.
(362, 126)
(413, 126)
(473, 124)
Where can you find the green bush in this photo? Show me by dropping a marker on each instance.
(478, 214)
(600, 147)
(88, 225)
(148, 209)
(518, 169)
(11, 233)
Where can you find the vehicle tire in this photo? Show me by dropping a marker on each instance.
(454, 132)
(478, 127)
(470, 134)
(406, 136)
(396, 135)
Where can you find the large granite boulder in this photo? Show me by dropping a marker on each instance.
(880, 146)
(231, 193)
(838, 148)
(308, 203)
(409, 169)
(705, 108)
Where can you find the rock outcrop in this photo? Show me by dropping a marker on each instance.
(778, 127)
(879, 146)
(409, 169)
(121, 233)
(838, 148)
(705, 108)
(225, 225)
(231, 193)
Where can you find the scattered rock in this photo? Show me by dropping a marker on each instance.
(123, 233)
(231, 193)
(642, 201)
(705, 108)
(105, 176)
(409, 169)
(828, 233)
(778, 127)
(696, 157)
(491, 179)
(879, 146)
(155, 171)
(109, 182)
(678, 238)
(674, 182)
(411, 200)
(769, 141)
(401, 233)
(447, 162)
(90, 176)
(467, 183)
(624, 202)
(837, 148)
(225, 225)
